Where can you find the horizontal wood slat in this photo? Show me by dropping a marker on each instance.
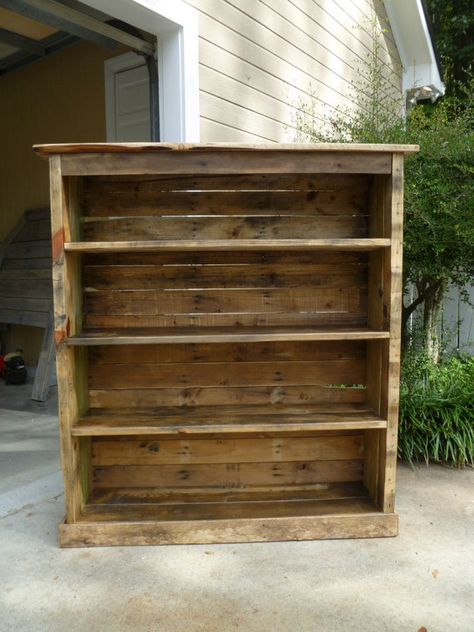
(34, 288)
(226, 352)
(225, 228)
(24, 317)
(227, 475)
(239, 321)
(202, 374)
(97, 188)
(233, 301)
(136, 200)
(34, 231)
(40, 263)
(25, 303)
(101, 499)
(27, 274)
(29, 250)
(239, 162)
(196, 451)
(215, 396)
(208, 276)
(327, 260)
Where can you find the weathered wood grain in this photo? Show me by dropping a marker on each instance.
(218, 396)
(136, 199)
(103, 499)
(343, 523)
(102, 186)
(216, 245)
(227, 352)
(203, 374)
(158, 452)
(227, 421)
(181, 148)
(70, 362)
(391, 358)
(227, 475)
(201, 276)
(218, 335)
(233, 301)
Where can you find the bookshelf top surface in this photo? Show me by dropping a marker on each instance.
(80, 148)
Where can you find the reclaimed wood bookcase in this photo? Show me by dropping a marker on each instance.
(227, 321)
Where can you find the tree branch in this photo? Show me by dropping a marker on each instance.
(428, 290)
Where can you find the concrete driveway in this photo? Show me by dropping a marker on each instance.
(422, 580)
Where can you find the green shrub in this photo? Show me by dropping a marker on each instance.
(437, 410)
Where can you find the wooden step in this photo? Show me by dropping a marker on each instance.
(227, 420)
(221, 335)
(176, 245)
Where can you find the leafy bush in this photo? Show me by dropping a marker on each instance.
(437, 410)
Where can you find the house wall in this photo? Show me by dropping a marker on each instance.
(260, 59)
(58, 99)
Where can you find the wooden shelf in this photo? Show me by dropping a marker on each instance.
(331, 499)
(182, 245)
(220, 335)
(103, 500)
(227, 420)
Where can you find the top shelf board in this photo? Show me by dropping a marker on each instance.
(77, 148)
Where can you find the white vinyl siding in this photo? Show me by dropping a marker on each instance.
(259, 59)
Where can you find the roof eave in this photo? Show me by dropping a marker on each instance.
(411, 31)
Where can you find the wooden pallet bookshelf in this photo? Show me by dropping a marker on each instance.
(227, 321)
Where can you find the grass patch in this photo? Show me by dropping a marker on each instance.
(437, 410)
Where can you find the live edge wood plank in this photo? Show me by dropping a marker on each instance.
(321, 527)
(219, 335)
(79, 148)
(172, 245)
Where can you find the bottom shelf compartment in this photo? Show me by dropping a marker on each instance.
(341, 511)
(125, 505)
(162, 490)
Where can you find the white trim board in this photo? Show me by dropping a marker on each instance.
(175, 25)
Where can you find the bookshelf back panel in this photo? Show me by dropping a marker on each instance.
(148, 377)
(273, 463)
(226, 207)
(138, 290)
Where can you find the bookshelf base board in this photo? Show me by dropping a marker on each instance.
(321, 527)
